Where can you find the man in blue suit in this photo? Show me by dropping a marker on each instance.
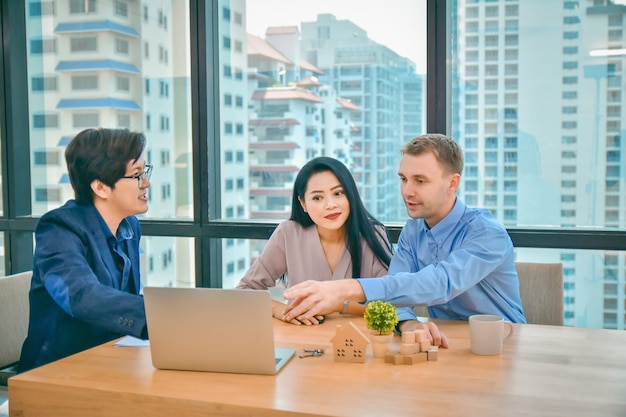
(86, 286)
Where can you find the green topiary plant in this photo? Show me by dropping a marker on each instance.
(381, 316)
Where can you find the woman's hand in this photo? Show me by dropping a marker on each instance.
(278, 312)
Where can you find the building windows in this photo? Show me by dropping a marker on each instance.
(82, 6)
(570, 50)
(84, 44)
(84, 82)
(43, 8)
(43, 46)
(85, 120)
(44, 83)
(123, 120)
(120, 8)
(44, 157)
(511, 40)
(570, 65)
(47, 195)
(165, 123)
(571, 20)
(48, 120)
(121, 46)
(164, 89)
(569, 140)
(122, 83)
(570, 110)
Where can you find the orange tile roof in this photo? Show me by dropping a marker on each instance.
(306, 65)
(308, 81)
(348, 104)
(257, 46)
(285, 94)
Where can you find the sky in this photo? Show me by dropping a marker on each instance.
(400, 25)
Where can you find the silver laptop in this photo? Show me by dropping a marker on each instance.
(210, 329)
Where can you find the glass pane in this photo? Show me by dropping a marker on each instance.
(594, 287)
(121, 63)
(167, 261)
(323, 78)
(538, 106)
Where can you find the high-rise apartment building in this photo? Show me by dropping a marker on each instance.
(538, 108)
(390, 96)
(105, 64)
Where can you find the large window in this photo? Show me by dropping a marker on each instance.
(234, 102)
(95, 76)
(559, 137)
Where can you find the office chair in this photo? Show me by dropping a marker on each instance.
(541, 290)
(14, 313)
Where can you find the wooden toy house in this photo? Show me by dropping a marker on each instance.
(349, 344)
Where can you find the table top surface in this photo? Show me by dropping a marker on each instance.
(543, 370)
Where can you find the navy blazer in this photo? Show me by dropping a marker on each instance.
(75, 298)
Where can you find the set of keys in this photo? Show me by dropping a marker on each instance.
(312, 352)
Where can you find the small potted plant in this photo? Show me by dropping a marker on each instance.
(381, 317)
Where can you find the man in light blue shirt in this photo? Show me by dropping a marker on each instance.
(455, 259)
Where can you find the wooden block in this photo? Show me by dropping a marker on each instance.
(394, 358)
(408, 337)
(417, 358)
(409, 348)
(425, 345)
(433, 353)
(421, 335)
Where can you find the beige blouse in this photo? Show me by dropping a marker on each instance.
(297, 252)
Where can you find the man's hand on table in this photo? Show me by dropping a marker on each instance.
(436, 337)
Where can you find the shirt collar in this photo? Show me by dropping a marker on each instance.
(124, 231)
(447, 225)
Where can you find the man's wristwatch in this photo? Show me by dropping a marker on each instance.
(345, 307)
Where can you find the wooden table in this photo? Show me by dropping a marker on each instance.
(543, 371)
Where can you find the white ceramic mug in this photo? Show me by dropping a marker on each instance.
(487, 334)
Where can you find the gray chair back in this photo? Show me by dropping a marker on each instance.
(14, 313)
(541, 289)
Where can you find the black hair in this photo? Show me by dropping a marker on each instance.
(360, 222)
(100, 154)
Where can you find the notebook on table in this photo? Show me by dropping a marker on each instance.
(211, 329)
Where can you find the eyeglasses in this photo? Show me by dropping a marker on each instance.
(145, 175)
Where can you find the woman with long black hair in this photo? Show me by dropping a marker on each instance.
(329, 236)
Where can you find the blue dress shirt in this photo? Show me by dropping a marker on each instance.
(462, 266)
